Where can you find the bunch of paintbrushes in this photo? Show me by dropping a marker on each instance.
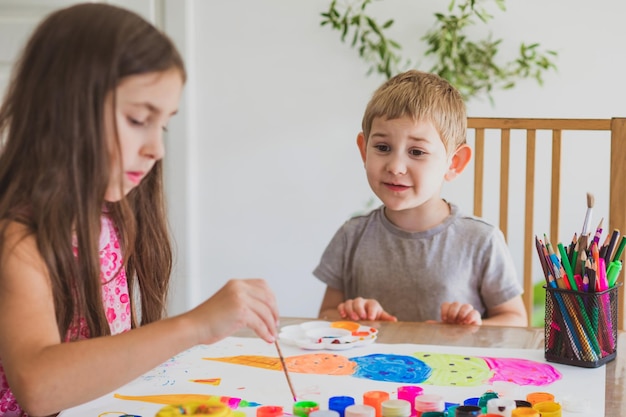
(581, 307)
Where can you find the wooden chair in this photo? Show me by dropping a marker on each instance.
(615, 132)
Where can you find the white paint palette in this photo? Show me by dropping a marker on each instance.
(337, 335)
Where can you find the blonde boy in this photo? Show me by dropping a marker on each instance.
(417, 257)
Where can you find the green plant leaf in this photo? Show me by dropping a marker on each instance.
(473, 67)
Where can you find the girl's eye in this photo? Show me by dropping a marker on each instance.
(136, 122)
(382, 147)
(416, 152)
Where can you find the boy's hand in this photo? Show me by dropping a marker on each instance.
(457, 313)
(363, 309)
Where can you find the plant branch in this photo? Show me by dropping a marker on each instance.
(471, 66)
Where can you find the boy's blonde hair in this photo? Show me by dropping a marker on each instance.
(421, 96)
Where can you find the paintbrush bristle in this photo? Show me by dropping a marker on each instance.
(589, 200)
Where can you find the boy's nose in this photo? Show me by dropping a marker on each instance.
(396, 165)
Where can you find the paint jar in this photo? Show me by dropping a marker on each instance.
(501, 406)
(537, 397)
(434, 414)
(548, 409)
(303, 408)
(468, 411)
(196, 408)
(471, 401)
(428, 402)
(360, 410)
(447, 405)
(375, 399)
(522, 403)
(396, 408)
(525, 412)
(408, 393)
(450, 410)
(339, 404)
(269, 411)
(482, 401)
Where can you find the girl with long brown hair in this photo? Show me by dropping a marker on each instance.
(85, 257)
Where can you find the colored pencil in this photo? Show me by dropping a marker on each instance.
(581, 322)
(609, 249)
(598, 234)
(568, 268)
(574, 262)
(620, 249)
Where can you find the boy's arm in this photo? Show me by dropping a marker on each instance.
(509, 313)
(332, 298)
(335, 307)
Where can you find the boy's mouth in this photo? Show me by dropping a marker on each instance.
(396, 187)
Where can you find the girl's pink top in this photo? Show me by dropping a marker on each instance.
(114, 297)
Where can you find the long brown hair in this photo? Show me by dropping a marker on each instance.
(55, 163)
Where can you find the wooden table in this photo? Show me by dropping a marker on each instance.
(493, 337)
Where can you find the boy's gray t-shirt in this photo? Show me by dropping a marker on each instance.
(411, 274)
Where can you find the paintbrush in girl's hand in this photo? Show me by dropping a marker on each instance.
(282, 362)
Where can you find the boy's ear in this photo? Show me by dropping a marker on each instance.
(460, 158)
(362, 144)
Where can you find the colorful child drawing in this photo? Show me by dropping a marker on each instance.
(442, 369)
(421, 368)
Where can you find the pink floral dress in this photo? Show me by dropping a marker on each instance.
(114, 297)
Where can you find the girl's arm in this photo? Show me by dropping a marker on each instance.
(47, 376)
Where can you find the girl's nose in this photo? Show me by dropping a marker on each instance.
(154, 147)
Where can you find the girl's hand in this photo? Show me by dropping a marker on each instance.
(363, 309)
(239, 303)
(457, 313)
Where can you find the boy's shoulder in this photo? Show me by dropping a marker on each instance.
(359, 221)
(469, 223)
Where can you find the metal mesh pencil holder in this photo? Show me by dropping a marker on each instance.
(581, 327)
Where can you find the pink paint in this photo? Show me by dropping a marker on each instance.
(522, 371)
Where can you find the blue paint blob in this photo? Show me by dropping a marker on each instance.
(391, 368)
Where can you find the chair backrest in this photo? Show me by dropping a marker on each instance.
(615, 132)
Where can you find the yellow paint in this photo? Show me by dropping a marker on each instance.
(171, 399)
(195, 408)
(258, 361)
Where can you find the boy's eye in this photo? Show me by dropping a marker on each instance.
(416, 152)
(382, 147)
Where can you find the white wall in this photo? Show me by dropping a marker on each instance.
(262, 167)
(278, 102)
